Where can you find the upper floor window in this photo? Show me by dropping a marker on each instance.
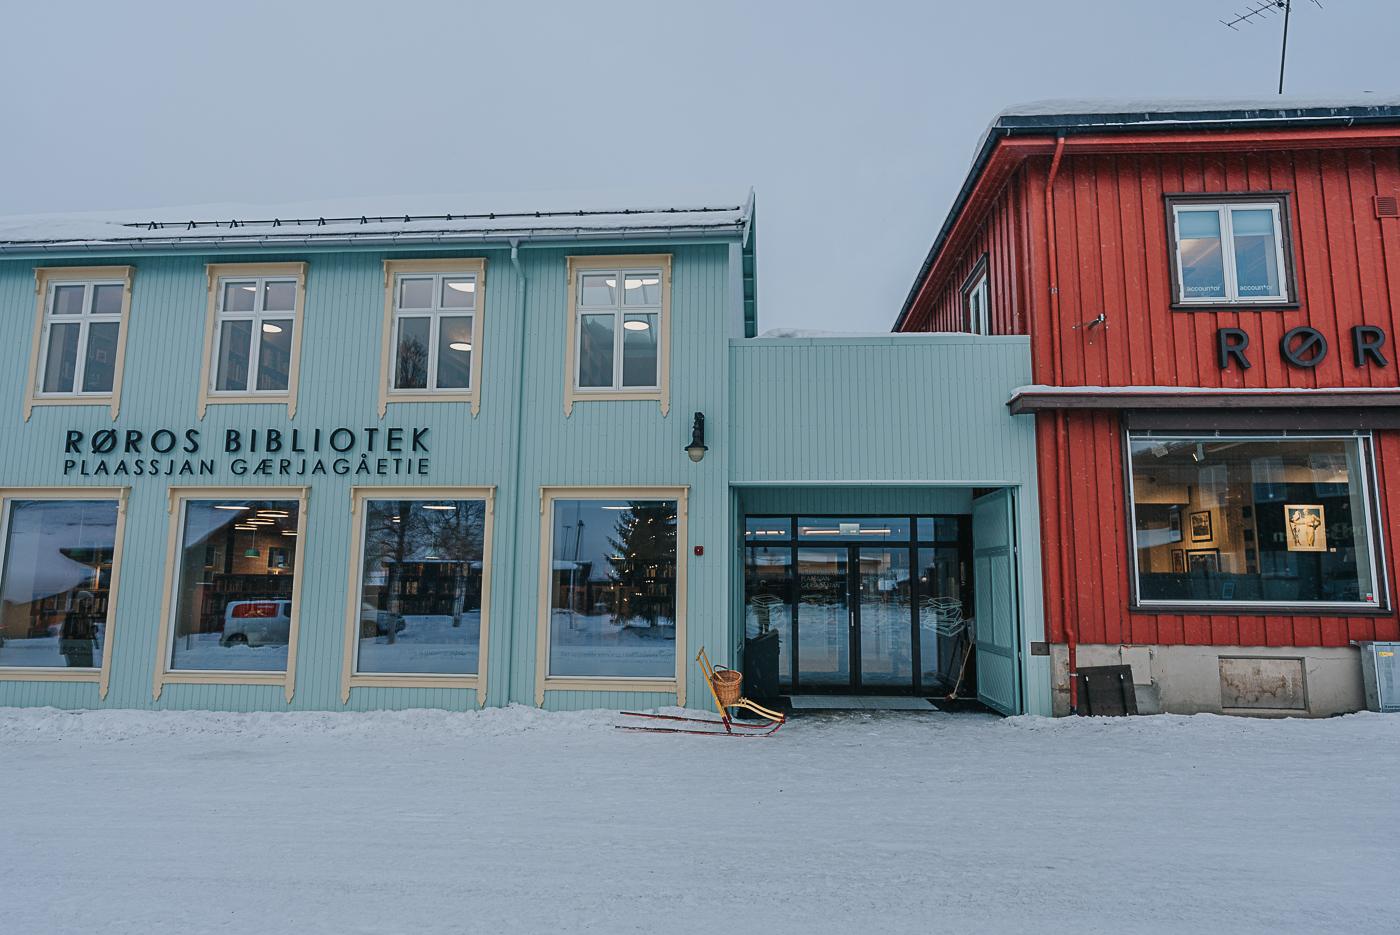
(1230, 251)
(432, 330)
(976, 298)
(79, 335)
(618, 328)
(254, 334)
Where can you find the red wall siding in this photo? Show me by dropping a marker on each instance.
(1112, 256)
(999, 237)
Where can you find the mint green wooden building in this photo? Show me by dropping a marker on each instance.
(369, 462)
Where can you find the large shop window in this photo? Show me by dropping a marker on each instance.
(80, 335)
(1230, 253)
(421, 588)
(433, 330)
(1254, 520)
(56, 584)
(619, 310)
(234, 600)
(613, 589)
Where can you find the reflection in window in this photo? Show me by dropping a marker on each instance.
(1252, 519)
(433, 328)
(420, 586)
(234, 586)
(768, 590)
(56, 581)
(613, 589)
(618, 329)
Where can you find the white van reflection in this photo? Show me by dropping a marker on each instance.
(257, 623)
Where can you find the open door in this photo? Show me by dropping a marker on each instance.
(998, 623)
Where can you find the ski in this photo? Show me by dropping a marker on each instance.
(686, 730)
(694, 720)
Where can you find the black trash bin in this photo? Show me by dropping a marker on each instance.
(761, 669)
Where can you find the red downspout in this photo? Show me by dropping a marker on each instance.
(1061, 429)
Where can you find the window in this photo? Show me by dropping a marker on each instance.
(613, 590)
(1230, 253)
(976, 300)
(80, 335)
(618, 321)
(421, 597)
(1251, 519)
(254, 335)
(58, 580)
(232, 582)
(432, 330)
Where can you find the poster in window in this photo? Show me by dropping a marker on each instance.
(1201, 528)
(1307, 527)
(1203, 560)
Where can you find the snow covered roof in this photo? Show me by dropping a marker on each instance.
(1106, 115)
(413, 220)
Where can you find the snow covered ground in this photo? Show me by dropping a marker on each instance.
(516, 820)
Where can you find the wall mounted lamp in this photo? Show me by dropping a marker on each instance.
(697, 448)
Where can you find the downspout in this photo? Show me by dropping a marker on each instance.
(516, 492)
(1061, 426)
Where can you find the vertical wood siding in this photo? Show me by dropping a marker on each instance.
(1113, 257)
(603, 443)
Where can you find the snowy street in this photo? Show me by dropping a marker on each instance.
(516, 820)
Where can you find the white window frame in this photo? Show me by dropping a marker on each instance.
(622, 266)
(350, 677)
(976, 296)
(448, 267)
(216, 275)
(1365, 477)
(179, 497)
(101, 675)
(1224, 210)
(46, 281)
(543, 680)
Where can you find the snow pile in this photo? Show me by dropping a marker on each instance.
(514, 820)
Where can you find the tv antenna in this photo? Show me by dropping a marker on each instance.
(1262, 9)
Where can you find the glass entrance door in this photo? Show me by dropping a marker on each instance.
(824, 617)
(884, 619)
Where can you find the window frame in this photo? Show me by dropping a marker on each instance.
(544, 682)
(446, 266)
(1376, 540)
(216, 274)
(621, 264)
(177, 497)
(101, 675)
(1223, 202)
(349, 678)
(46, 278)
(977, 282)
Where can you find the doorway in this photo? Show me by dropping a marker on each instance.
(873, 605)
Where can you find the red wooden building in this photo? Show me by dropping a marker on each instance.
(1211, 295)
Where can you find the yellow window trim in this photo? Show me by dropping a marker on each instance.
(349, 678)
(164, 675)
(102, 676)
(44, 276)
(662, 394)
(543, 680)
(387, 394)
(213, 273)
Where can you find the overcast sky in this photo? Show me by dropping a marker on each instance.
(854, 121)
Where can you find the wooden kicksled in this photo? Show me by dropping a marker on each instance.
(726, 685)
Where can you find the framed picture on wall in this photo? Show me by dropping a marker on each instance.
(276, 557)
(1178, 562)
(1174, 524)
(1201, 527)
(1206, 560)
(1307, 527)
